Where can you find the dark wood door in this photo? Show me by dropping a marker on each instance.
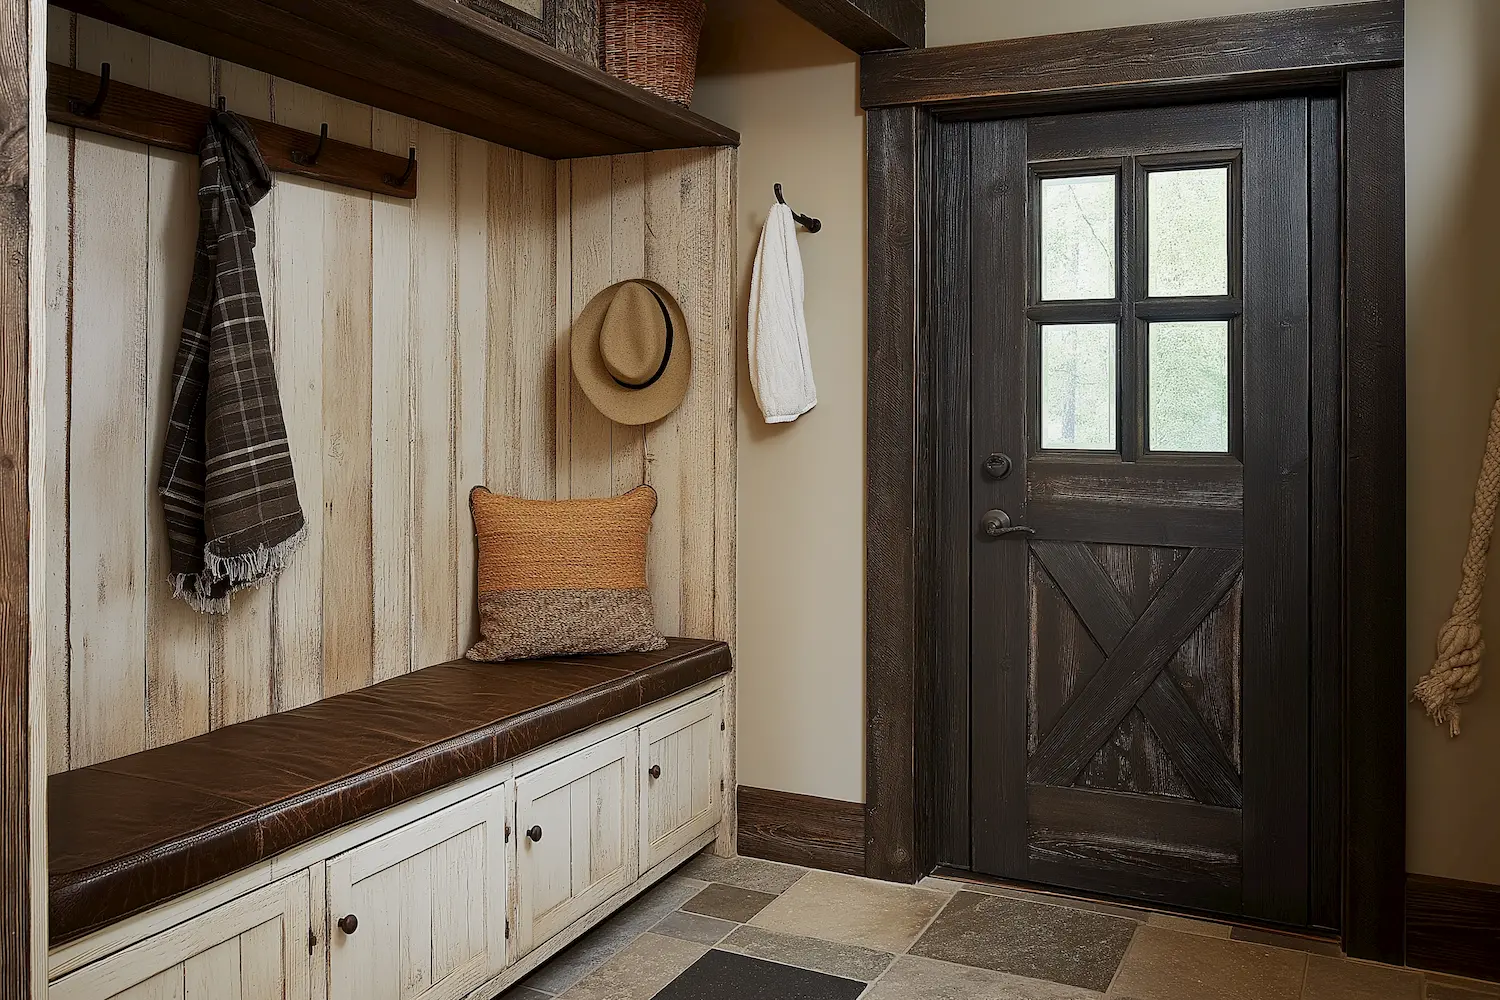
(1139, 288)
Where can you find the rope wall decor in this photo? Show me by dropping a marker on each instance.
(1454, 678)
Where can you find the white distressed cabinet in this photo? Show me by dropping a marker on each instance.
(680, 777)
(576, 836)
(450, 896)
(253, 948)
(419, 914)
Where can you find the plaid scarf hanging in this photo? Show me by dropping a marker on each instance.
(232, 513)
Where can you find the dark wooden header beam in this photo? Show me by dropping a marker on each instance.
(171, 123)
(433, 60)
(1222, 54)
(867, 25)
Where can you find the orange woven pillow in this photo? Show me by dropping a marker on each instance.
(563, 577)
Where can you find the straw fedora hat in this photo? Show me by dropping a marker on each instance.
(631, 352)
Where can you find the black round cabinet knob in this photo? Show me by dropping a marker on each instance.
(534, 834)
(655, 771)
(349, 923)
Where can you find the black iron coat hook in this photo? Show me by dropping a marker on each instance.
(311, 159)
(411, 167)
(93, 110)
(808, 222)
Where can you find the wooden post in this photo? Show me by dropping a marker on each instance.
(22, 877)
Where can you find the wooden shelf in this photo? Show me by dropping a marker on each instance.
(432, 60)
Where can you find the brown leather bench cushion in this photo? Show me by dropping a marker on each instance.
(133, 832)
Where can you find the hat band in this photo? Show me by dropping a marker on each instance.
(666, 354)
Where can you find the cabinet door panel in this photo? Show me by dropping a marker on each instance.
(215, 973)
(428, 901)
(680, 769)
(582, 810)
(166, 986)
(253, 948)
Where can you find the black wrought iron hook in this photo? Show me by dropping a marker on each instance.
(411, 168)
(311, 159)
(808, 222)
(93, 110)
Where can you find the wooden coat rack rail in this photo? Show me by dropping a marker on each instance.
(98, 104)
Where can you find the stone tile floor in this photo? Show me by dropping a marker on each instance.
(742, 929)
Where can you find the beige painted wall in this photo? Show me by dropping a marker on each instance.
(800, 646)
(1453, 369)
(793, 96)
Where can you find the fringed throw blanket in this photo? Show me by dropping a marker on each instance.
(231, 505)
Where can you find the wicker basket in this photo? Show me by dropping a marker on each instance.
(654, 44)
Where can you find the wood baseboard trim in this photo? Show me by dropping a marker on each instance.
(802, 830)
(1453, 926)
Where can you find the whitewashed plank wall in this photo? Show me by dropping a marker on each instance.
(668, 216)
(416, 347)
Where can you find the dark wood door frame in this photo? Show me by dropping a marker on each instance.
(917, 387)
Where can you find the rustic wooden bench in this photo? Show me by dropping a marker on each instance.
(129, 836)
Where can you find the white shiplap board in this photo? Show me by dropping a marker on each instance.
(107, 456)
(178, 639)
(304, 265)
(241, 654)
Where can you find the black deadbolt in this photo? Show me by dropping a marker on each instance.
(997, 466)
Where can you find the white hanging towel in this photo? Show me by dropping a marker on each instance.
(780, 366)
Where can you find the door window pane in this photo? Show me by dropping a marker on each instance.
(1187, 367)
(1078, 386)
(1188, 232)
(1078, 237)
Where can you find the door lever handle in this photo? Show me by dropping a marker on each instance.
(996, 523)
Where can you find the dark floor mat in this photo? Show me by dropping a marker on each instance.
(723, 975)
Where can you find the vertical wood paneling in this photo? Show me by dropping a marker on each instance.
(59, 303)
(725, 385)
(178, 639)
(627, 259)
(107, 457)
(691, 246)
(347, 614)
(434, 333)
(664, 182)
(470, 374)
(667, 216)
(562, 370)
(726, 498)
(302, 256)
(417, 347)
(240, 683)
(23, 835)
(520, 388)
(589, 432)
(390, 431)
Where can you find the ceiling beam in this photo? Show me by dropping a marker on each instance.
(867, 25)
